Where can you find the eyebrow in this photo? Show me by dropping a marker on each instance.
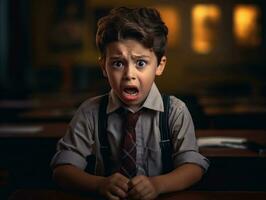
(134, 56)
(115, 57)
(140, 56)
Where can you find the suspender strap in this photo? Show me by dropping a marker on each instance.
(102, 130)
(166, 145)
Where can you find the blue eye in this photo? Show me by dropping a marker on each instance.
(141, 63)
(117, 64)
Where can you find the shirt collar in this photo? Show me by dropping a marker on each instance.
(113, 102)
(153, 101)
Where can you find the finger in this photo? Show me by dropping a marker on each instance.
(118, 192)
(142, 189)
(120, 181)
(135, 181)
(137, 190)
(145, 191)
(112, 197)
(123, 185)
(122, 177)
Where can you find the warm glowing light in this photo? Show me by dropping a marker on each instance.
(205, 19)
(172, 20)
(246, 25)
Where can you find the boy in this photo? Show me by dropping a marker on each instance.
(132, 44)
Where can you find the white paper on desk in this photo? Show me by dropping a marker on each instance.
(20, 129)
(231, 142)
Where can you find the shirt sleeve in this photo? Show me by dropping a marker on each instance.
(78, 143)
(185, 149)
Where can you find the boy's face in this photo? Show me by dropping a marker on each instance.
(131, 69)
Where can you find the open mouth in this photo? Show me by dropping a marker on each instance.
(133, 91)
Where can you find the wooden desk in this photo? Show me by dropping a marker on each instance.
(26, 151)
(234, 169)
(31, 131)
(58, 107)
(188, 195)
(258, 136)
(45, 101)
(229, 100)
(48, 115)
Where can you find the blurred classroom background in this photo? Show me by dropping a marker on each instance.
(48, 66)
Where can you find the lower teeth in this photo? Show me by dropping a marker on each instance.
(131, 92)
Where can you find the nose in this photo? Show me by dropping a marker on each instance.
(129, 73)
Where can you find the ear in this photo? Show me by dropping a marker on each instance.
(101, 62)
(161, 66)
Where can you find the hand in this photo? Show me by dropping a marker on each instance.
(142, 188)
(114, 187)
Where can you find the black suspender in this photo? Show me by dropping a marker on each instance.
(102, 126)
(166, 145)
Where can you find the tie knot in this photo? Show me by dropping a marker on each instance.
(131, 119)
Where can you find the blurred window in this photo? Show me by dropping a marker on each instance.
(247, 26)
(205, 21)
(172, 19)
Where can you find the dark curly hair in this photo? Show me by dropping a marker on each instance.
(142, 24)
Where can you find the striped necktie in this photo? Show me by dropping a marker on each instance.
(128, 146)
